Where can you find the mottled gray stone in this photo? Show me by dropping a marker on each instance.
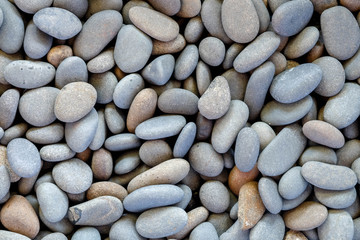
(292, 184)
(126, 90)
(159, 71)
(9, 102)
(105, 84)
(214, 196)
(247, 149)
(185, 140)
(203, 231)
(71, 69)
(268, 190)
(336, 199)
(178, 101)
(338, 224)
(270, 225)
(89, 233)
(36, 43)
(122, 142)
(186, 62)
(50, 134)
(102, 62)
(124, 229)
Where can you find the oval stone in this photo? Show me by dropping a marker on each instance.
(351, 67)
(293, 203)
(102, 62)
(36, 43)
(174, 46)
(323, 133)
(205, 230)
(79, 8)
(56, 152)
(185, 140)
(336, 199)
(270, 225)
(122, 142)
(214, 196)
(154, 152)
(302, 43)
(126, 90)
(50, 134)
(247, 149)
(292, 184)
(186, 62)
(5, 180)
(167, 7)
(268, 190)
(318, 153)
(57, 22)
(339, 224)
(178, 101)
(9, 102)
(212, 51)
(71, 69)
(159, 71)
(124, 228)
(106, 188)
(105, 84)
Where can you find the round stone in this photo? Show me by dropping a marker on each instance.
(50, 134)
(174, 46)
(159, 71)
(56, 152)
(154, 152)
(302, 43)
(102, 62)
(323, 133)
(214, 196)
(126, 90)
(127, 162)
(89, 233)
(71, 69)
(212, 51)
(339, 223)
(178, 101)
(9, 102)
(105, 84)
(193, 30)
(58, 53)
(292, 184)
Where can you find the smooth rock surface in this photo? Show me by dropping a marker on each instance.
(178, 101)
(185, 140)
(247, 149)
(126, 90)
(292, 184)
(214, 196)
(339, 224)
(336, 199)
(36, 43)
(270, 225)
(71, 69)
(268, 190)
(186, 63)
(159, 71)
(9, 102)
(323, 133)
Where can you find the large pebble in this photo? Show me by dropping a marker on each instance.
(29, 74)
(105, 84)
(193, 30)
(57, 22)
(340, 32)
(56, 152)
(72, 176)
(338, 225)
(270, 225)
(79, 8)
(9, 102)
(323, 133)
(318, 153)
(161, 222)
(96, 212)
(126, 90)
(12, 235)
(169, 8)
(71, 69)
(5, 59)
(5, 180)
(328, 176)
(212, 51)
(32, 7)
(185, 140)
(154, 152)
(114, 118)
(36, 43)
(293, 203)
(122, 142)
(214, 196)
(302, 43)
(75, 101)
(247, 149)
(102, 62)
(159, 71)
(351, 67)
(178, 101)
(132, 49)
(124, 229)
(50, 134)
(186, 63)
(282, 152)
(268, 190)
(96, 33)
(204, 231)
(292, 184)
(296, 83)
(336, 199)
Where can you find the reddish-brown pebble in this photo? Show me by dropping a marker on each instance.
(237, 178)
(84, 155)
(102, 164)
(106, 189)
(58, 53)
(172, 46)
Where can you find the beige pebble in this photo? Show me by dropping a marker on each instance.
(58, 53)
(106, 189)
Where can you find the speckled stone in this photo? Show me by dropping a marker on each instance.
(323, 133)
(292, 184)
(106, 188)
(102, 62)
(56, 152)
(159, 71)
(193, 30)
(205, 230)
(214, 196)
(247, 149)
(318, 153)
(338, 224)
(302, 43)
(9, 102)
(105, 84)
(174, 46)
(270, 225)
(5, 180)
(186, 63)
(71, 69)
(79, 8)
(50, 134)
(268, 190)
(114, 118)
(122, 142)
(124, 228)
(32, 7)
(16, 131)
(336, 199)
(126, 90)
(212, 51)
(185, 140)
(12, 235)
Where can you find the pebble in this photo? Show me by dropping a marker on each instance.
(5, 180)
(336, 199)
(348, 153)
(96, 212)
(79, 8)
(50, 134)
(71, 69)
(58, 53)
(36, 43)
(114, 118)
(270, 225)
(105, 84)
(240, 20)
(122, 142)
(184, 202)
(212, 51)
(304, 79)
(29, 74)
(257, 52)
(203, 77)
(235, 232)
(56, 152)
(214, 196)
(193, 30)
(323, 133)
(102, 62)
(5, 59)
(247, 149)
(268, 190)
(185, 140)
(189, 8)
(279, 60)
(64, 226)
(160, 127)
(57, 22)
(127, 162)
(124, 228)
(237, 178)
(154, 152)
(205, 230)
(55, 236)
(340, 32)
(302, 43)
(132, 49)
(292, 184)
(126, 90)
(293, 203)
(291, 17)
(169, 8)
(282, 152)
(338, 224)
(318, 153)
(33, 7)
(231, 54)
(186, 62)
(342, 109)
(53, 202)
(174, 46)
(17, 215)
(12, 235)
(72, 176)
(13, 132)
(294, 235)
(178, 101)
(9, 102)
(4, 161)
(307, 216)
(159, 71)
(130, 4)
(169, 220)
(96, 6)
(102, 164)
(204, 127)
(328, 176)
(350, 67)
(168, 172)
(153, 196)
(105, 188)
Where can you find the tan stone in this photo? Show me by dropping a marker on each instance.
(173, 46)
(295, 235)
(102, 164)
(189, 8)
(237, 178)
(58, 53)
(106, 189)
(4, 161)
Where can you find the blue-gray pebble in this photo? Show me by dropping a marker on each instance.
(269, 194)
(124, 229)
(71, 69)
(36, 43)
(126, 90)
(270, 225)
(338, 225)
(89, 233)
(159, 71)
(336, 199)
(204, 231)
(247, 149)
(122, 142)
(185, 140)
(292, 184)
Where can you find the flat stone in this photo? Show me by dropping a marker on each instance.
(178, 101)
(13, 132)
(56, 152)
(292, 184)
(102, 62)
(9, 102)
(270, 225)
(159, 71)
(323, 133)
(126, 90)
(102, 164)
(50, 134)
(336, 199)
(186, 62)
(5, 59)
(339, 223)
(185, 140)
(318, 153)
(247, 149)
(214, 196)
(268, 190)
(36, 43)
(122, 142)
(71, 69)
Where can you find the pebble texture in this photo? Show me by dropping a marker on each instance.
(323, 133)
(262, 228)
(339, 224)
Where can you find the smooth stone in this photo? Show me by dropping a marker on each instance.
(333, 77)
(13, 132)
(280, 62)
(29, 74)
(12, 30)
(71, 69)
(159, 71)
(174, 46)
(203, 77)
(270, 225)
(125, 10)
(257, 52)
(153, 196)
(268, 190)
(231, 54)
(336, 199)
(355, 166)
(178, 101)
(89, 233)
(5, 59)
(247, 149)
(36, 43)
(58, 53)
(304, 79)
(72, 176)
(97, 32)
(328, 176)
(184, 202)
(41, 101)
(155, 24)
(204, 127)
(212, 51)
(106, 188)
(57, 22)
(100, 134)
(1, 132)
(323, 133)
(96, 212)
(55, 236)
(63, 226)
(318, 153)
(189, 8)
(132, 49)
(340, 32)
(293, 203)
(351, 67)
(114, 118)
(263, 14)
(235, 232)
(205, 230)
(168, 172)
(96, 6)
(292, 184)
(126, 90)
(240, 20)
(105, 84)
(307, 216)
(5, 180)
(214, 196)
(302, 43)
(12, 235)
(9, 102)
(167, 7)
(277, 114)
(169, 220)
(282, 152)
(193, 30)
(185, 140)
(186, 62)
(348, 153)
(54, 203)
(75, 101)
(237, 178)
(127, 162)
(344, 108)
(257, 88)
(50, 134)
(211, 17)
(23, 157)
(102, 62)
(160, 127)
(221, 221)
(291, 17)
(4, 161)
(124, 229)
(154, 152)
(79, 8)
(56, 152)
(338, 224)
(32, 7)
(356, 222)
(122, 142)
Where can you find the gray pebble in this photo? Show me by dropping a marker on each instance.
(1, 132)
(154, 152)
(127, 162)
(186, 62)
(99, 211)
(64, 226)
(263, 14)
(338, 225)
(234, 211)
(9, 102)
(348, 153)
(122, 142)
(292, 184)
(89, 233)
(50, 134)
(36, 106)
(114, 119)
(204, 231)
(132, 49)
(56, 152)
(193, 30)
(293, 203)
(159, 71)
(23, 157)
(270, 225)
(235, 232)
(160, 127)
(71, 69)
(126, 90)
(99, 5)
(1, 17)
(5, 181)
(204, 127)
(12, 235)
(178, 101)
(231, 54)
(214, 196)
(161, 222)
(221, 221)
(203, 77)
(268, 190)
(79, 8)
(302, 43)
(32, 7)
(124, 229)
(356, 222)
(355, 166)
(54, 203)
(184, 202)
(318, 153)
(282, 152)
(36, 43)
(102, 62)
(336, 199)
(57, 22)
(5, 59)
(29, 74)
(212, 51)
(153, 196)
(185, 140)
(351, 67)
(13, 132)
(55, 236)
(247, 149)
(100, 134)
(79, 134)
(127, 6)
(72, 176)
(352, 131)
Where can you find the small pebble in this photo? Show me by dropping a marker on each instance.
(126, 90)
(105, 188)
(154, 152)
(58, 53)
(36, 43)
(247, 149)
(292, 184)
(160, 70)
(302, 43)
(214, 196)
(318, 153)
(212, 51)
(186, 62)
(127, 162)
(323, 133)
(56, 152)
(270, 225)
(50, 134)
(185, 140)
(9, 102)
(338, 224)
(293, 203)
(204, 231)
(268, 190)
(178, 101)
(124, 228)
(122, 142)
(71, 69)
(336, 199)
(5, 180)
(55, 236)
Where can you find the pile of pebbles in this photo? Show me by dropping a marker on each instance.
(179, 119)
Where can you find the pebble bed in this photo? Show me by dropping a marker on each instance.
(179, 119)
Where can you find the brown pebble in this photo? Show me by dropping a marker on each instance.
(102, 164)
(237, 178)
(316, 52)
(58, 53)
(4, 161)
(189, 8)
(295, 235)
(124, 179)
(106, 189)
(84, 155)
(172, 46)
